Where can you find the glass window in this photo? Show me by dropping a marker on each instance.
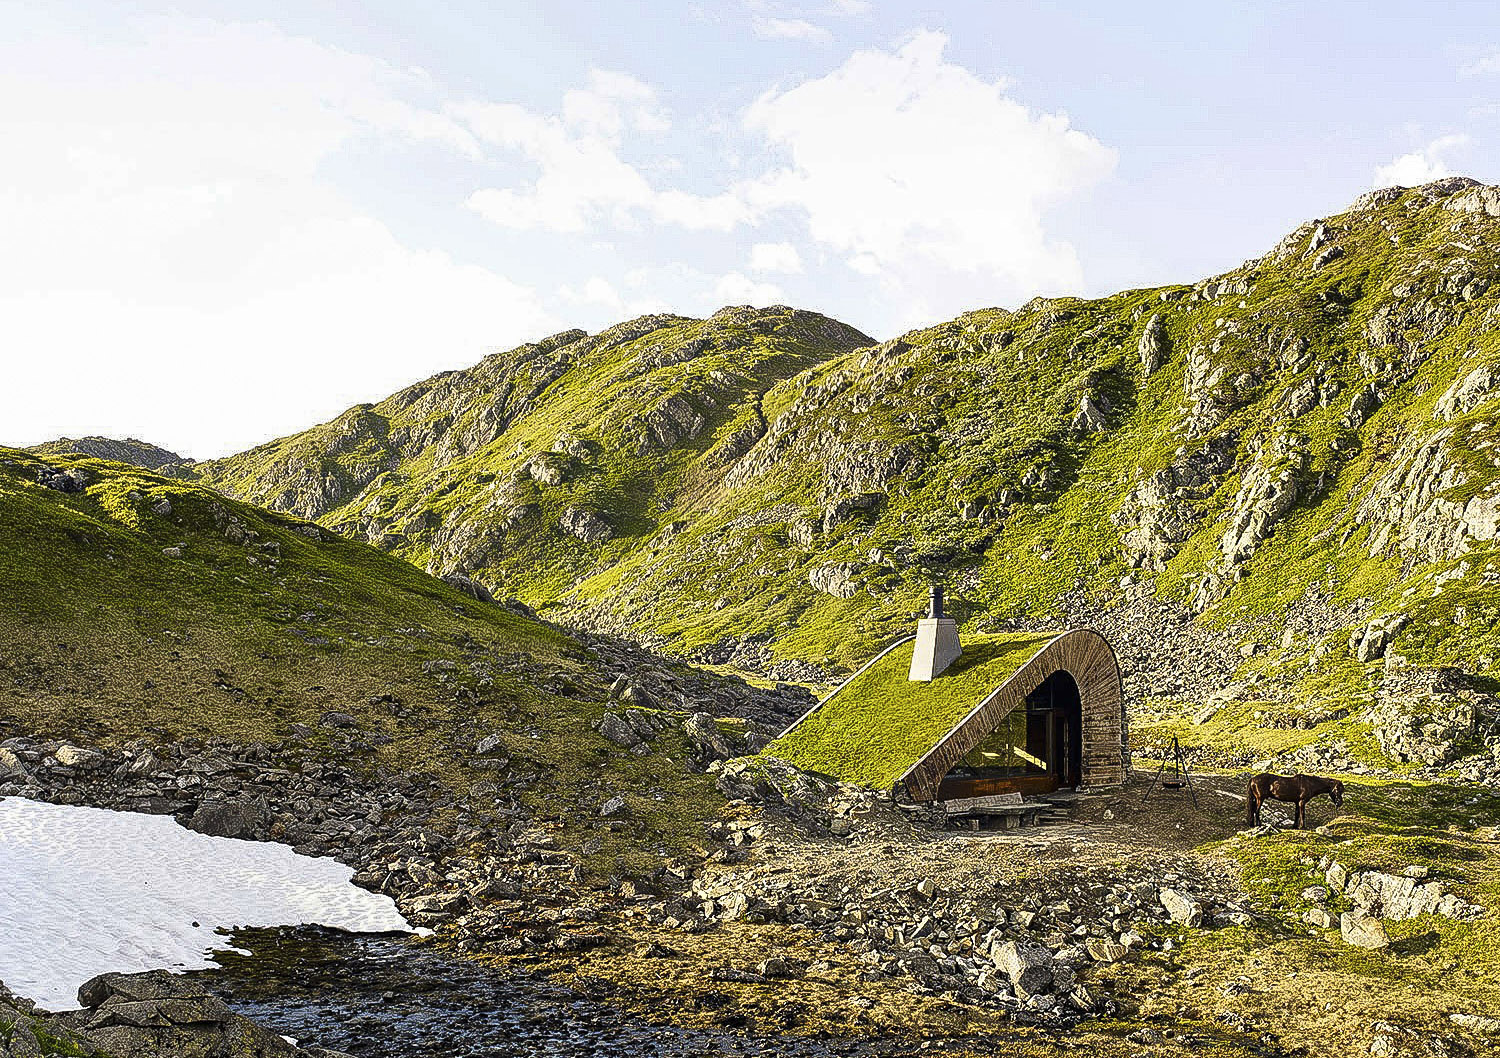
(1017, 746)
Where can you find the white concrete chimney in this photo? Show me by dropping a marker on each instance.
(937, 641)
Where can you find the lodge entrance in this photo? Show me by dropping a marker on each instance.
(1035, 749)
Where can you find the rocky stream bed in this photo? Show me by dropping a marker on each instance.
(387, 996)
(822, 919)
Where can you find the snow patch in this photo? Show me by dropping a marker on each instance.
(85, 891)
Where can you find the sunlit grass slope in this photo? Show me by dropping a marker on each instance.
(143, 607)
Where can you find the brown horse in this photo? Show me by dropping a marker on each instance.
(1299, 788)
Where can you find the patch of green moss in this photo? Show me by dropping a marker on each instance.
(42, 1040)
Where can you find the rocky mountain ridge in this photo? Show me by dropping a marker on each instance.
(130, 450)
(1298, 454)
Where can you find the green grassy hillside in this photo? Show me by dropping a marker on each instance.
(541, 464)
(1291, 450)
(137, 606)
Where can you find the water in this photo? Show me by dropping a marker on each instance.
(387, 995)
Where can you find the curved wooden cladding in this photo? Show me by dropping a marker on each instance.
(1086, 656)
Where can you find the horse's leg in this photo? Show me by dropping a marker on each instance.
(1301, 812)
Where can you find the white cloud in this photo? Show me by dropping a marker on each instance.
(598, 291)
(789, 29)
(927, 176)
(186, 259)
(178, 267)
(675, 286)
(582, 180)
(1420, 166)
(1482, 66)
(612, 102)
(775, 257)
(595, 291)
(720, 212)
(735, 288)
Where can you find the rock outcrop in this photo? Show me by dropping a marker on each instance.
(586, 525)
(1417, 507)
(136, 453)
(836, 578)
(1267, 494)
(1380, 895)
(141, 1015)
(1164, 511)
(1155, 345)
(1369, 643)
(1363, 930)
(1429, 717)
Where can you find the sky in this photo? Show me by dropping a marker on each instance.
(222, 221)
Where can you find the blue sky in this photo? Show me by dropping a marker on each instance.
(227, 220)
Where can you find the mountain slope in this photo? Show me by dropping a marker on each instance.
(131, 451)
(1299, 450)
(139, 607)
(528, 464)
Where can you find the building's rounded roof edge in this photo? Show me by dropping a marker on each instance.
(871, 733)
(1069, 634)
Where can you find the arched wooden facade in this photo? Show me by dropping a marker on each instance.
(1087, 657)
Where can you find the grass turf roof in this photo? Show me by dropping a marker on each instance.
(879, 725)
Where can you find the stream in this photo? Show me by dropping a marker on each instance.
(382, 995)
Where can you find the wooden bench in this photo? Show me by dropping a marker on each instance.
(1009, 809)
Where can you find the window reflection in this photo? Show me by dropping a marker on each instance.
(1017, 746)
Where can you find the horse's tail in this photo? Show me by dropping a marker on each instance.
(1252, 803)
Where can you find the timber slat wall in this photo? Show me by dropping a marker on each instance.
(1086, 656)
